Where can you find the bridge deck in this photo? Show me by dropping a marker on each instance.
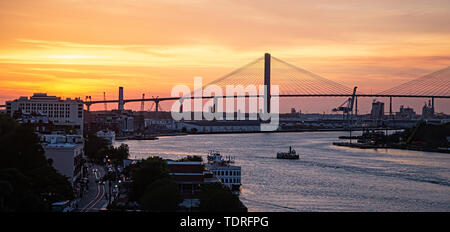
(247, 96)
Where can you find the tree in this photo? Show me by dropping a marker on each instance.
(218, 198)
(93, 144)
(29, 183)
(52, 186)
(99, 150)
(161, 195)
(118, 155)
(192, 158)
(19, 146)
(431, 135)
(102, 154)
(145, 173)
(423, 134)
(17, 193)
(6, 191)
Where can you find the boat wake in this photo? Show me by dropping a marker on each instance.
(263, 203)
(382, 172)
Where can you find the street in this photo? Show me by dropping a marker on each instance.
(95, 199)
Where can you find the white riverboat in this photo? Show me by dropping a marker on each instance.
(109, 135)
(228, 174)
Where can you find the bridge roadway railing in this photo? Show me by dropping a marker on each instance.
(248, 96)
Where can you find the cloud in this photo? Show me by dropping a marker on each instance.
(159, 43)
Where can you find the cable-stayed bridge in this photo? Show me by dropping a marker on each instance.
(297, 82)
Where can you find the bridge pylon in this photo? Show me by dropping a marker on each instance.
(121, 102)
(267, 95)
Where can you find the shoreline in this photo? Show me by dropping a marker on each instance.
(277, 131)
(385, 146)
(342, 144)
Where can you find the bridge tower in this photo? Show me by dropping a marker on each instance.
(157, 107)
(88, 105)
(432, 104)
(142, 103)
(121, 103)
(390, 106)
(267, 94)
(181, 105)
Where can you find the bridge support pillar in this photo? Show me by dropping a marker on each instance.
(432, 104)
(181, 108)
(267, 94)
(215, 106)
(181, 105)
(390, 106)
(121, 102)
(156, 108)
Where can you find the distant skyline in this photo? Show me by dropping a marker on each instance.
(74, 48)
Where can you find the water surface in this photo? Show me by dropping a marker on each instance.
(325, 178)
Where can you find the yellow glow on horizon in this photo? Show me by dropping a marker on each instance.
(64, 57)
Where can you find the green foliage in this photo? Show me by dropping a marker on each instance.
(16, 192)
(117, 155)
(27, 181)
(192, 158)
(152, 185)
(218, 198)
(97, 149)
(93, 144)
(145, 173)
(422, 135)
(51, 185)
(110, 177)
(161, 195)
(19, 146)
(430, 135)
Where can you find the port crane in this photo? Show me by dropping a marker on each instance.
(347, 106)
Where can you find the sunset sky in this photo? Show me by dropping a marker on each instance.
(74, 48)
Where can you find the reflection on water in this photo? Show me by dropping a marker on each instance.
(325, 178)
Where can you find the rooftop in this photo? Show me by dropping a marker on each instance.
(44, 96)
(61, 145)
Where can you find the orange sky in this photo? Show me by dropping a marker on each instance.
(74, 48)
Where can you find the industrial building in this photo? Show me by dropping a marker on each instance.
(377, 111)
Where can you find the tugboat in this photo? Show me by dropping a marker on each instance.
(228, 174)
(292, 154)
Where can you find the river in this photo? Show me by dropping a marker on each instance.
(325, 178)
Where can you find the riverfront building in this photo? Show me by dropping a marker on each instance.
(190, 176)
(428, 110)
(123, 122)
(406, 113)
(62, 113)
